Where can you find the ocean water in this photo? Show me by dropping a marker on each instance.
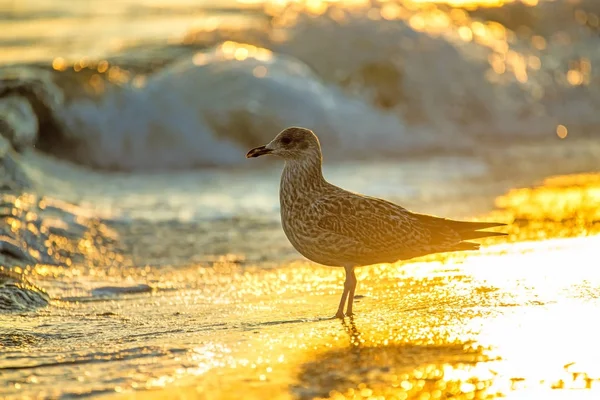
(147, 85)
(141, 254)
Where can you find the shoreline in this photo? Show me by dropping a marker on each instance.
(212, 304)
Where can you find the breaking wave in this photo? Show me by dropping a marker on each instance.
(377, 80)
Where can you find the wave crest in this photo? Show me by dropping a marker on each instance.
(368, 80)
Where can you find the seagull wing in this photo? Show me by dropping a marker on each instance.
(380, 231)
(373, 228)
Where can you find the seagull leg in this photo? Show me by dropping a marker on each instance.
(349, 286)
(340, 311)
(352, 287)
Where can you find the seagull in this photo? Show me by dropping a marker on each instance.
(335, 227)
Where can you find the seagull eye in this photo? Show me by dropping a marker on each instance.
(285, 141)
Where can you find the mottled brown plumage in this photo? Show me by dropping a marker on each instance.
(335, 227)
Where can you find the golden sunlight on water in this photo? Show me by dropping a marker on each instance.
(476, 3)
(515, 320)
(452, 20)
(510, 52)
(316, 4)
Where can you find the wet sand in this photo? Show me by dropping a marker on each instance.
(182, 306)
(514, 320)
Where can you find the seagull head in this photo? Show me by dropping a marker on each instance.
(292, 143)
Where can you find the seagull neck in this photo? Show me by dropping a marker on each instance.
(303, 173)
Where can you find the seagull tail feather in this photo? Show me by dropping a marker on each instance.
(466, 235)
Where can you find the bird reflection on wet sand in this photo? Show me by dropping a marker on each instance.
(353, 333)
(401, 370)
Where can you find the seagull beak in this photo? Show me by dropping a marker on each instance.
(258, 151)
